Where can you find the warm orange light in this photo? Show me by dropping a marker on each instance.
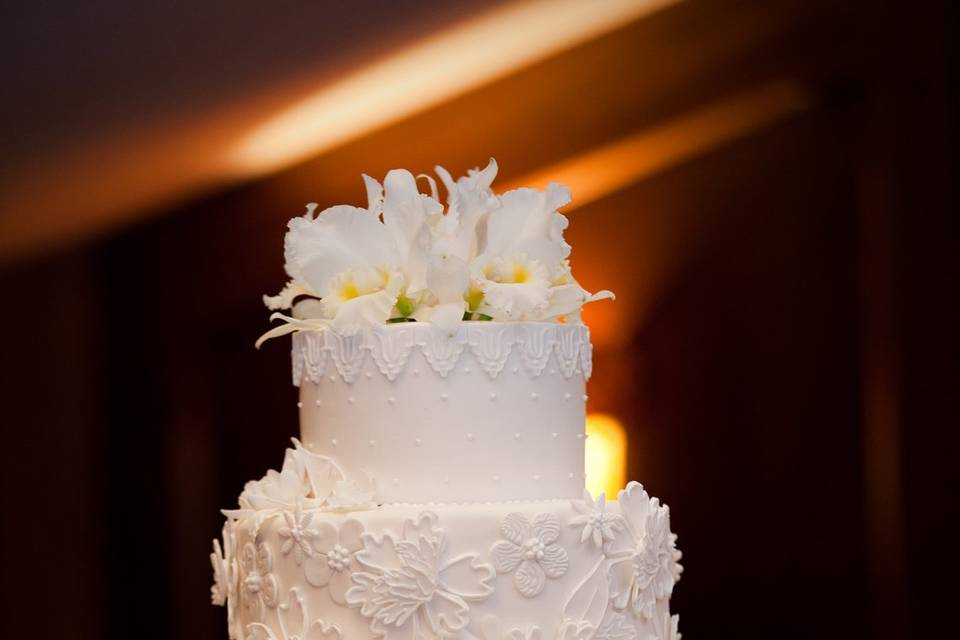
(606, 455)
(604, 170)
(431, 71)
(607, 169)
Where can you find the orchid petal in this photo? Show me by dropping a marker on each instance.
(340, 239)
(405, 216)
(374, 195)
(448, 317)
(371, 309)
(512, 301)
(448, 277)
(527, 223)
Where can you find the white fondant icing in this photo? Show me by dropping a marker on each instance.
(511, 571)
(294, 623)
(419, 434)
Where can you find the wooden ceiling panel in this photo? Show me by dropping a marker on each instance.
(610, 88)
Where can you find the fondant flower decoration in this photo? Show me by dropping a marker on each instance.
(403, 258)
(666, 627)
(576, 630)
(306, 480)
(598, 525)
(333, 558)
(221, 576)
(331, 487)
(491, 629)
(294, 623)
(646, 572)
(231, 572)
(259, 584)
(353, 495)
(297, 535)
(615, 626)
(409, 588)
(530, 552)
(278, 489)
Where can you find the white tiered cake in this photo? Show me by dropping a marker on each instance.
(436, 491)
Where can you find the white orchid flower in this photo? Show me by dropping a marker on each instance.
(453, 243)
(278, 489)
(469, 201)
(361, 298)
(567, 297)
(407, 215)
(487, 257)
(527, 222)
(523, 245)
(515, 288)
(447, 280)
(346, 257)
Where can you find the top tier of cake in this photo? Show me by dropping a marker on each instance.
(493, 413)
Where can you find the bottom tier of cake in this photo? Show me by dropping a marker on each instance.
(567, 569)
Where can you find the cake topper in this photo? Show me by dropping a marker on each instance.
(405, 258)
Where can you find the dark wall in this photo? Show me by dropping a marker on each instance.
(790, 392)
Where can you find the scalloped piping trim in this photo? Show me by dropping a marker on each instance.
(316, 353)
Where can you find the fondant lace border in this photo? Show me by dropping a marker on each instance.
(491, 344)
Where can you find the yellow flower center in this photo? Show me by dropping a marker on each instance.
(520, 274)
(349, 290)
(474, 297)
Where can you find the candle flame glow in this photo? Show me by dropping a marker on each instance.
(606, 454)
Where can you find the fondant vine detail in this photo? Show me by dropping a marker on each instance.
(295, 623)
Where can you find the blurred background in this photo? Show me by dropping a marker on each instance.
(765, 185)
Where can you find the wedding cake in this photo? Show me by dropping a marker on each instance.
(437, 487)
